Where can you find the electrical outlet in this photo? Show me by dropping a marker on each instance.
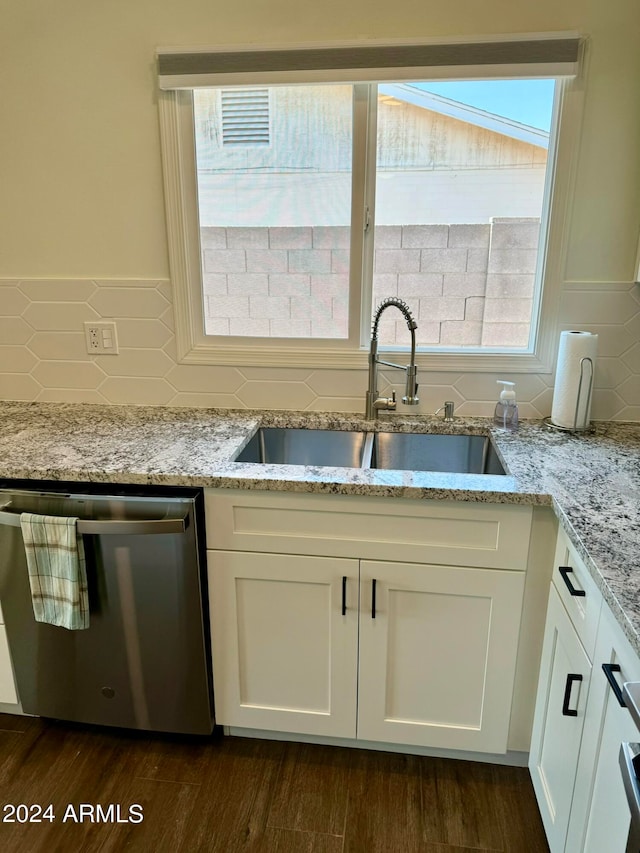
(101, 338)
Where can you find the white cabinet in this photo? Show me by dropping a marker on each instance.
(299, 647)
(437, 654)
(579, 722)
(493, 536)
(565, 672)
(284, 654)
(8, 693)
(432, 663)
(577, 590)
(600, 815)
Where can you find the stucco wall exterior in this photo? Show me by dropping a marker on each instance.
(431, 168)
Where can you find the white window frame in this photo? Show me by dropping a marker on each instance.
(181, 203)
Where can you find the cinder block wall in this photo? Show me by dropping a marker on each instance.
(467, 285)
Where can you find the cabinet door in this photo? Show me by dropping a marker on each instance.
(437, 654)
(600, 815)
(284, 654)
(563, 686)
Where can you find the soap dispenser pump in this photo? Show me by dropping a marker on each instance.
(506, 413)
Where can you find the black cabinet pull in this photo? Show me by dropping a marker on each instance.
(566, 710)
(373, 598)
(344, 595)
(564, 571)
(609, 669)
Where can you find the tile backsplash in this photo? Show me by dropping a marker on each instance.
(43, 356)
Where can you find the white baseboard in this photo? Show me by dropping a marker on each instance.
(511, 758)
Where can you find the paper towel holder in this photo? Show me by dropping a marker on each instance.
(575, 428)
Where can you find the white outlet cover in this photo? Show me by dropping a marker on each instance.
(101, 337)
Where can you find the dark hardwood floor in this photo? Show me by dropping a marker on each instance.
(231, 795)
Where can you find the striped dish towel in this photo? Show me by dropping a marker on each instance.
(57, 572)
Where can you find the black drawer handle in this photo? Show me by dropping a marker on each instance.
(566, 710)
(609, 669)
(564, 571)
(373, 598)
(344, 595)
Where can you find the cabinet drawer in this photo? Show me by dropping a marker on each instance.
(578, 591)
(442, 532)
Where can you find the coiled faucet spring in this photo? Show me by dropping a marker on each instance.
(373, 402)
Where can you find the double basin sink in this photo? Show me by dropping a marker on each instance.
(460, 454)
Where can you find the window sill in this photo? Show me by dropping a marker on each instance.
(298, 355)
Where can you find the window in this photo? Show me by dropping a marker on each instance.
(275, 222)
(459, 202)
(311, 202)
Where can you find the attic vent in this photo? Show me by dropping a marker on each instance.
(245, 116)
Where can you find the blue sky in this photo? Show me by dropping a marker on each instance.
(526, 101)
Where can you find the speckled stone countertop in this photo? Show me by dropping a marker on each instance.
(592, 481)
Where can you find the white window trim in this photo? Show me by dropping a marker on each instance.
(194, 347)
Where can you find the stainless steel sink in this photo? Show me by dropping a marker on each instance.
(459, 454)
(289, 446)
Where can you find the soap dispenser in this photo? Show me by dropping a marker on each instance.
(506, 413)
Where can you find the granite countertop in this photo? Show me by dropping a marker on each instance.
(592, 481)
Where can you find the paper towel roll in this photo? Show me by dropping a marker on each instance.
(574, 346)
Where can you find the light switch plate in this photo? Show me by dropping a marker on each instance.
(101, 338)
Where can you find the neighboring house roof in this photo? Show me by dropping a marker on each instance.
(472, 115)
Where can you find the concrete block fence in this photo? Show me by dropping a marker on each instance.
(467, 285)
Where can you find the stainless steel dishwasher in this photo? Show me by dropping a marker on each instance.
(144, 662)
(629, 758)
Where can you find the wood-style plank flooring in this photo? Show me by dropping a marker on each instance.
(232, 794)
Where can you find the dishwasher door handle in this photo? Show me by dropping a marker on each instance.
(115, 526)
